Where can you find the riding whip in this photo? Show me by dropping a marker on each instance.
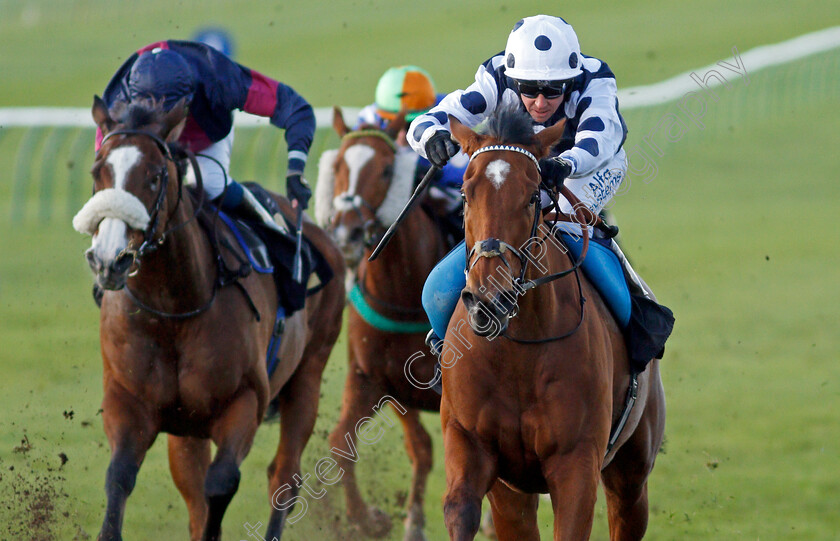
(408, 206)
(297, 270)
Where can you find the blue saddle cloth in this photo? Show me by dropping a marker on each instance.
(250, 243)
(604, 270)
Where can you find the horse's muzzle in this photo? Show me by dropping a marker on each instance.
(489, 318)
(351, 242)
(111, 276)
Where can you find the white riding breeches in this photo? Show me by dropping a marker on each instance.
(214, 163)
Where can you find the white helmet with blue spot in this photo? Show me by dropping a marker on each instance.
(542, 48)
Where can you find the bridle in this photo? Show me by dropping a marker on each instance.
(494, 247)
(373, 228)
(150, 244)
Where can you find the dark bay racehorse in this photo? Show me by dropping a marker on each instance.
(362, 188)
(524, 418)
(182, 354)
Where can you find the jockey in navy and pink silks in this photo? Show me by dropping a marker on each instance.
(215, 86)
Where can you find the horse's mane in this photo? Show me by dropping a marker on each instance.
(510, 124)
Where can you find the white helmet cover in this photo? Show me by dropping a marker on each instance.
(542, 48)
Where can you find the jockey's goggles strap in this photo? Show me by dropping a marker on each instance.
(510, 148)
(372, 133)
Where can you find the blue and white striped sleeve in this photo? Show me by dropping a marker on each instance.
(469, 106)
(601, 130)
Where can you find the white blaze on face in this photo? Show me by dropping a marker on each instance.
(356, 157)
(110, 238)
(497, 172)
(121, 161)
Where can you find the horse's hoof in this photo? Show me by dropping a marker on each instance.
(378, 523)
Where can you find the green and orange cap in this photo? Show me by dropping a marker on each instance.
(405, 87)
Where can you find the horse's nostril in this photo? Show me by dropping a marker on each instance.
(91, 258)
(122, 263)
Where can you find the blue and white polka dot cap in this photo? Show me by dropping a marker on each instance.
(542, 48)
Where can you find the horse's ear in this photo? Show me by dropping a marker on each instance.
(339, 125)
(546, 138)
(395, 126)
(468, 139)
(174, 121)
(101, 116)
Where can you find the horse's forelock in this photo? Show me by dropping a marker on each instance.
(137, 114)
(510, 124)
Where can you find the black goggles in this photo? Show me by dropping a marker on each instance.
(549, 89)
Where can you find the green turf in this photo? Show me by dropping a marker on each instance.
(734, 234)
(61, 52)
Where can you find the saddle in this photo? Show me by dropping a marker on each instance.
(265, 251)
(645, 323)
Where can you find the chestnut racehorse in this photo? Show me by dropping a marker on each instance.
(183, 353)
(361, 189)
(534, 378)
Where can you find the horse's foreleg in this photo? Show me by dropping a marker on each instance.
(514, 514)
(418, 444)
(359, 398)
(298, 405)
(233, 433)
(470, 473)
(188, 462)
(131, 431)
(625, 486)
(573, 483)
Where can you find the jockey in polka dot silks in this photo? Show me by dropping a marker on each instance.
(542, 71)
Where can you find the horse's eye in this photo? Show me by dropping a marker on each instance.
(388, 173)
(155, 182)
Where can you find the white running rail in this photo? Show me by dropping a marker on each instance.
(629, 98)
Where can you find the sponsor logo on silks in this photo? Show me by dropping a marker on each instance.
(606, 184)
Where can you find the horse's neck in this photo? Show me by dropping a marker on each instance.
(180, 272)
(410, 256)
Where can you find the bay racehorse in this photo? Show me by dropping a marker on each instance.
(182, 352)
(361, 189)
(535, 369)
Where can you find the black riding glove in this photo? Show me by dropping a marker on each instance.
(440, 147)
(554, 171)
(298, 189)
